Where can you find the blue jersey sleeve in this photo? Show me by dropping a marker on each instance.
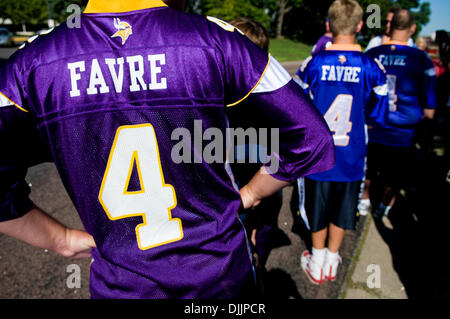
(304, 77)
(428, 97)
(378, 106)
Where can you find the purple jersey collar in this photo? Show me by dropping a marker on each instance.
(117, 6)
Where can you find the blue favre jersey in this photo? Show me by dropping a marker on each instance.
(349, 88)
(411, 87)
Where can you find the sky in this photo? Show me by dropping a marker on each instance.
(440, 17)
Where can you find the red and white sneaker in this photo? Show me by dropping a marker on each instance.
(331, 268)
(314, 271)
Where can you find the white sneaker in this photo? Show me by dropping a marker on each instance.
(387, 222)
(381, 211)
(312, 269)
(364, 207)
(331, 268)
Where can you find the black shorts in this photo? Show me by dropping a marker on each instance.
(329, 202)
(391, 165)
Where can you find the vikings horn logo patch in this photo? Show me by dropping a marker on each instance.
(342, 59)
(124, 30)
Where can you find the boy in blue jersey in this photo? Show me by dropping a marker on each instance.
(349, 88)
(412, 97)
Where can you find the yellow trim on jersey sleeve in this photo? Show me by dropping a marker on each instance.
(13, 103)
(256, 85)
(117, 6)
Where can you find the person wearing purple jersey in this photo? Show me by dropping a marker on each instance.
(110, 103)
(324, 41)
(349, 88)
(412, 98)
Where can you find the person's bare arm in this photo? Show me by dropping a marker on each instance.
(429, 113)
(41, 230)
(260, 186)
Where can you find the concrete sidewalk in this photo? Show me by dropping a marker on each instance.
(292, 66)
(371, 274)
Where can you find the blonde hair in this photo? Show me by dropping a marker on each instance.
(422, 43)
(344, 17)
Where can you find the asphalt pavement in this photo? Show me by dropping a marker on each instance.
(6, 52)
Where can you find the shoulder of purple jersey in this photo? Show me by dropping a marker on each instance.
(34, 51)
(221, 29)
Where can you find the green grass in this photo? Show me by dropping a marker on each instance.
(287, 50)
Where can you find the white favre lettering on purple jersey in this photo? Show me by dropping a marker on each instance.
(136, 68)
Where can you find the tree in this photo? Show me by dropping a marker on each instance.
(421, 11)
(194, 6)
(284, 6)
(368, 33)
(231, 9)
(306, 22)
(25, 11)
(58, 8)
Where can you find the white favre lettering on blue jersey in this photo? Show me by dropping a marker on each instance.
(339, 73)
(392, 60)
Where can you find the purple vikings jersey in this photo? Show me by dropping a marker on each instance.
(411, 86)
(322, 44)
(349, 89)
(103, 102)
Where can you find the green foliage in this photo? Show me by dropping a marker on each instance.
(307, 22)
(302, 20)
(24, 11)
(58, 8)
(231, 9)
(421, 11)
(36, 11)
(368, 33)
